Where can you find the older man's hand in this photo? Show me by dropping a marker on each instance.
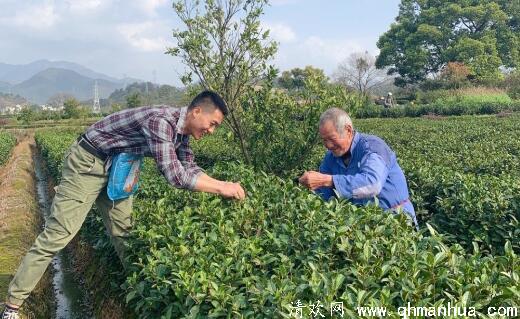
(313, 180)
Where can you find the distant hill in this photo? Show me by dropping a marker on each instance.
(150, 94)
(14, 74)
(9, 100)
(46, 83)
(4, 86)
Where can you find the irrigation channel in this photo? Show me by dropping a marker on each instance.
(71, 300)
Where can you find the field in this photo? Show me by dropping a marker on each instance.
(196, 255)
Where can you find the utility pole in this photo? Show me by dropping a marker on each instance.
(96, 108)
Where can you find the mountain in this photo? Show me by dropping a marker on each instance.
(4, 86)
(151, 94)
(18, 73)
(41, 86)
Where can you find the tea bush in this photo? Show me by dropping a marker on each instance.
(53, 145)
(463, 173)
(195, 255)
(7, 142)
(199, 256)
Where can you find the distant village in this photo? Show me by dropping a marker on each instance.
(15, 109)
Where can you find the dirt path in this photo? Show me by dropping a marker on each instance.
(25, 194)
(20, 223)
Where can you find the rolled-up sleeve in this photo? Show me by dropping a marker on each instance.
(187, 158)
(367, 183)
(159, 134)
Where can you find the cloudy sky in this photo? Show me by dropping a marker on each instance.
(128, 38)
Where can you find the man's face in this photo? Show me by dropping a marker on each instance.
(333, 140)
(203, 120)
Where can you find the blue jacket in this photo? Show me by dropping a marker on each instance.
(372, 172)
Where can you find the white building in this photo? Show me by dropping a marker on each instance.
(12, 109)
(50, 108)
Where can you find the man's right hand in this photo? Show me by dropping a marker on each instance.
(232, 190)
(208, 184)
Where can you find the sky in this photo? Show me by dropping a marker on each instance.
(128, 38)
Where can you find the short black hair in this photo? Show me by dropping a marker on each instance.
(209, 97)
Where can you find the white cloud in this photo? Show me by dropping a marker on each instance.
(150, 6)
(331, 49)
(320, 52)
(84, 6)
(142, 37)
(33, 16)
(280, 32)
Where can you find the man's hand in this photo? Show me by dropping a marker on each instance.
(208, 184)
(313, 180)
(232, 190)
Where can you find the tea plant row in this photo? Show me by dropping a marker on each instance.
(196, 255)
(7, 142)
(464, 174)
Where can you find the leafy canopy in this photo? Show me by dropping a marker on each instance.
(428, 34)
(294, 79)
(225, 50)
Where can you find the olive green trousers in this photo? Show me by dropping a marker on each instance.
(83, 183)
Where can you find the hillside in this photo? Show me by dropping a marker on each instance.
(4, 86)
(149, 94)
(46, 83)
(14, 74)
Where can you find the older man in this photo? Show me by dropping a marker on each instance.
(358, 167)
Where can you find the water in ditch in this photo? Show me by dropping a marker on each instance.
(71, 300)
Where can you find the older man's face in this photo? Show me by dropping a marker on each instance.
(333, 140)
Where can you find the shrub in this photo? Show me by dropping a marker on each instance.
(200, 256)
(281, 129)
(7, 142)
(512, 83)
(467, 102)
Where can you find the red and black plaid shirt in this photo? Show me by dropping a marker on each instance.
(155, 131)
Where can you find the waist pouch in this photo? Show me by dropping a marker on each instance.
(123, 179)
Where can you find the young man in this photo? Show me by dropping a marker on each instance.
(358, 167)
(160, 132)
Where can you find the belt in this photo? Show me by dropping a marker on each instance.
(87, 146)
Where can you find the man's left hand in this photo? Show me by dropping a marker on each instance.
(313, 180)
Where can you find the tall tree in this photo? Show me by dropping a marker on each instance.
(26, 116)
(133, 100)
(428, 34)
(225, 50)
(71, 109)
(58, 99)
(296, 78)
(359, 72)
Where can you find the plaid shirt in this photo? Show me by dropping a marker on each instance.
(150, 131)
